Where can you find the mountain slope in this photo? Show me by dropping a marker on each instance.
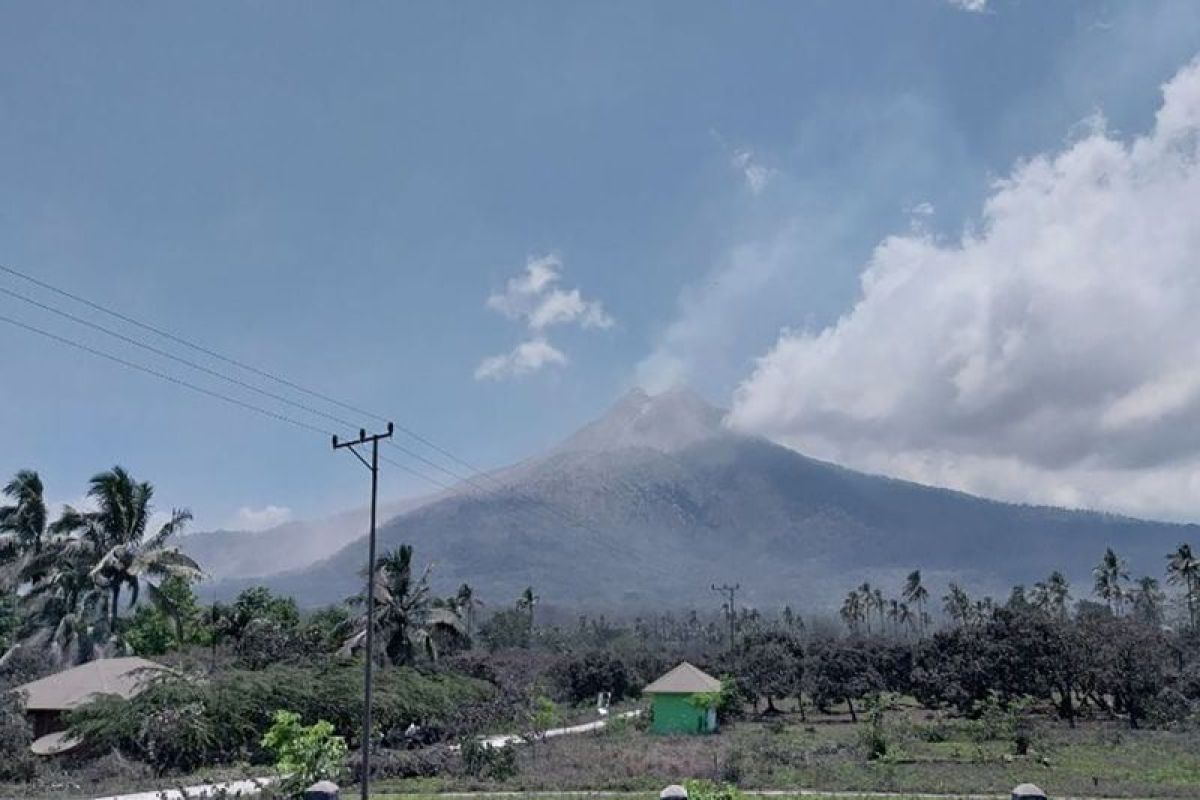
(232, 554)
(653, 502)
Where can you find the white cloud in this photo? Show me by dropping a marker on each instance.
(975, 6)
(755, 174)
(534, 298)
(1048, 356)
(259, 519)
(525, 358)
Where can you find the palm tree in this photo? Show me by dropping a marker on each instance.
(852, 610)
(957, 604)
(115, 537)
(1110, 575)
(466, 603)
(1148, 600)
(916, 594)
(1052, 594)
(893, 615)
(406, 621)
(525, 603)
(1184, 568)
(23, 524)
(906, 619)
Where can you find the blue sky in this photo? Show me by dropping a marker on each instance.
(334, 192)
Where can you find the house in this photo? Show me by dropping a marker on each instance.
(682, 701)
(48, 699)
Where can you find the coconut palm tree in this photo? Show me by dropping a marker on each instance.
(852, 611)
(1110, 576)
(1183, 568)
(1052, 595)
(466, 603)
(23, 526)
(906, 619)
(1148, 600)
(114, 536)
(916, 594)
(527, 601)
(406, 620)
(957, 604)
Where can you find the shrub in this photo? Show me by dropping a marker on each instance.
(872, 736)
(304, 754)
(223, 720)
(582, 678)
(708, 790)
(264, 642)
(481, 760)
(16, 762)
(425, 762)
(149, 633)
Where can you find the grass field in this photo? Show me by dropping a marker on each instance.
(924, 754)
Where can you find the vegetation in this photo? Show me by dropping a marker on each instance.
(304, 754)
(909, 692)
(74, 571)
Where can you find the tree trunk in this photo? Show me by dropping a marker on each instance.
(800, 704)
(1067, 706)
(850, 705)
(112, 612)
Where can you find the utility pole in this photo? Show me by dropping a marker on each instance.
(372, 465)
(729, 593)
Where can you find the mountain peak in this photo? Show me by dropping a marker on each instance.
(667, 421)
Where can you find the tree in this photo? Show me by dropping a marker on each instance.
(467, 604)
(1052, 595)
(1148, 601)
(525, 603)
(405, 620)
(115, 536)
(1183, 568)
(842, 672)
(853, 611)
(916, 594)
(772, 665)
(957, 605)
(23, 525)
(1110, 578)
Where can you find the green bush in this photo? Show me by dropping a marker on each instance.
(481, 760)
(304, 754)
(872, 735)
(223, 720)
(708, 790)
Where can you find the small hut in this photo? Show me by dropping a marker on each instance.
(681, 701)
(48, 700)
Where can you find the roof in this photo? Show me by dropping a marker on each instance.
(54, 743)
(684, 679)
(125, 677)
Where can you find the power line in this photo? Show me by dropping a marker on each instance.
(231, 361)
(561, 514)
(227, 378)
(197, 388)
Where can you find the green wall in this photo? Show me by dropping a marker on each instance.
(675, 713)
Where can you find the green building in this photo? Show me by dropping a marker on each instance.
(678, 701)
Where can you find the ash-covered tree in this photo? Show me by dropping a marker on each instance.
(771, 663)
(841, 672)
(406, 622)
